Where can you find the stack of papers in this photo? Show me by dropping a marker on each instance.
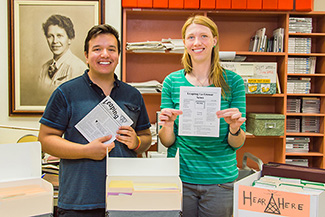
(174, 45)
(127, 187)
(148, 46)
(152, 86)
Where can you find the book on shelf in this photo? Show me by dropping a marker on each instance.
(253, 43)
(278, 35)
(260, 34)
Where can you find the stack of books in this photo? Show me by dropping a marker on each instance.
(302, 65)
(298, 85)
(297, 144)
(299, 45)
(310, 105)
(293, 125)
(293, 105)
(310, 124)
(300, 25)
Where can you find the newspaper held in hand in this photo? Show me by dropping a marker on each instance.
(103, 120)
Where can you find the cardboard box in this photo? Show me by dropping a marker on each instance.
(265, 124)
(259, 202)
(149, 185)
(22, 190)
(259, 77)
(254, 4)
(270, 5)
(239, 4)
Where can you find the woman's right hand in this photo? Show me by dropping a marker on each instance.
(168, 116)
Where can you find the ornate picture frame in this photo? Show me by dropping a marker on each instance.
(32, 48)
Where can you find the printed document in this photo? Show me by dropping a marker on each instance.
(199, 106)
(103, 120)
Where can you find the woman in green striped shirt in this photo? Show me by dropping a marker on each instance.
(208, 165)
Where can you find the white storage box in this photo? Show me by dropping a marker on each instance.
(143, 185)
(22, 190)
(260, 202)
(259, 77)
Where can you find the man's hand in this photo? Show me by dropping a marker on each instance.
(97, 150)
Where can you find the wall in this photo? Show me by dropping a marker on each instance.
(319, 5)
(12, 128)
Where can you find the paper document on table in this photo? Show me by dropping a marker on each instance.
(199, 106)
(103, 120)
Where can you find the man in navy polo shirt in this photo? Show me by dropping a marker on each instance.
(83, 164)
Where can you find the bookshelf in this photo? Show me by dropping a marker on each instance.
(235, 29)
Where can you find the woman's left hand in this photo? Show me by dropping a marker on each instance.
(233, 117)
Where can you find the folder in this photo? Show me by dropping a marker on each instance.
(129, 3)
(238, 4)
(144, 3)
(270, 5)
(176, 4)
(160, 4)
(286, 5)
(254, 4)
(304, 5)
(223, 4)
(191, 4)
(208, 4)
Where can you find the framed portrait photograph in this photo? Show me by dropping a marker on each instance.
(46, 48)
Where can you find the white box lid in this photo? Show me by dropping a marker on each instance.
(20, 161)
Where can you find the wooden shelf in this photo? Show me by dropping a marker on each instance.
(235, 31)
(305, 114)
(309, 154)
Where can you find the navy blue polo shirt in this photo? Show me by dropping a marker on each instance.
(82, 181)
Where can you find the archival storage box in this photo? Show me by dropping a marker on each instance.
(264, 124)
(145, 186)
(250, 201)
(22, 190)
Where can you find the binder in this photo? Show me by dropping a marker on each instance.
(129, 3)
(254, 4)
(286, 5)
(238, 4)
(160, 3)
(144, 3)
(191, 4)
(270, 5)
(294, 171)
(223, 4)
(304, 5)
(176, 4)
(207, 4)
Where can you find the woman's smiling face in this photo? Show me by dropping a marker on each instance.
(199, 42)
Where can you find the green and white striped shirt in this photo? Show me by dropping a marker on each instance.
(205, 160)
